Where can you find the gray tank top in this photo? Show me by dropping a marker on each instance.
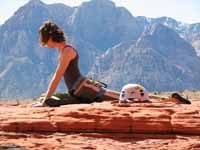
(72, 73)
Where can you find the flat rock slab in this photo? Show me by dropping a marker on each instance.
(97, 141)
(101, 126)
(142, 118)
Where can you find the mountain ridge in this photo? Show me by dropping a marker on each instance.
(93, 32)
(155, 62)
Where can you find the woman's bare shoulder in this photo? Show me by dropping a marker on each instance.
(70, 51)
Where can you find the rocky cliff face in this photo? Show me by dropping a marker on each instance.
(190, 32)
(94, 28)
(194, 37)
(160, 60)
(103, 24)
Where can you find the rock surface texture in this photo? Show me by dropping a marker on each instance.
(101, 126)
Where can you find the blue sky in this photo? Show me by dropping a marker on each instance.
(187, 11)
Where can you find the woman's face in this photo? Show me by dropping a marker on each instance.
(50, 43)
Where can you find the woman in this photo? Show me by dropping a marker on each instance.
(81, 89)
(52, 36)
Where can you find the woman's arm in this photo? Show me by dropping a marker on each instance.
(65, 58)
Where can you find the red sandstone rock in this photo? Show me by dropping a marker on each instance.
(157, 124)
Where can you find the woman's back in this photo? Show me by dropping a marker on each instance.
(72, 73)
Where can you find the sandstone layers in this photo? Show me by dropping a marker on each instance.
(102, 126)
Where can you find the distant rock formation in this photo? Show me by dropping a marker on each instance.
(160, 60)
(95, 28)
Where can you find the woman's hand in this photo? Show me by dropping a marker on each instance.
(38, 104)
